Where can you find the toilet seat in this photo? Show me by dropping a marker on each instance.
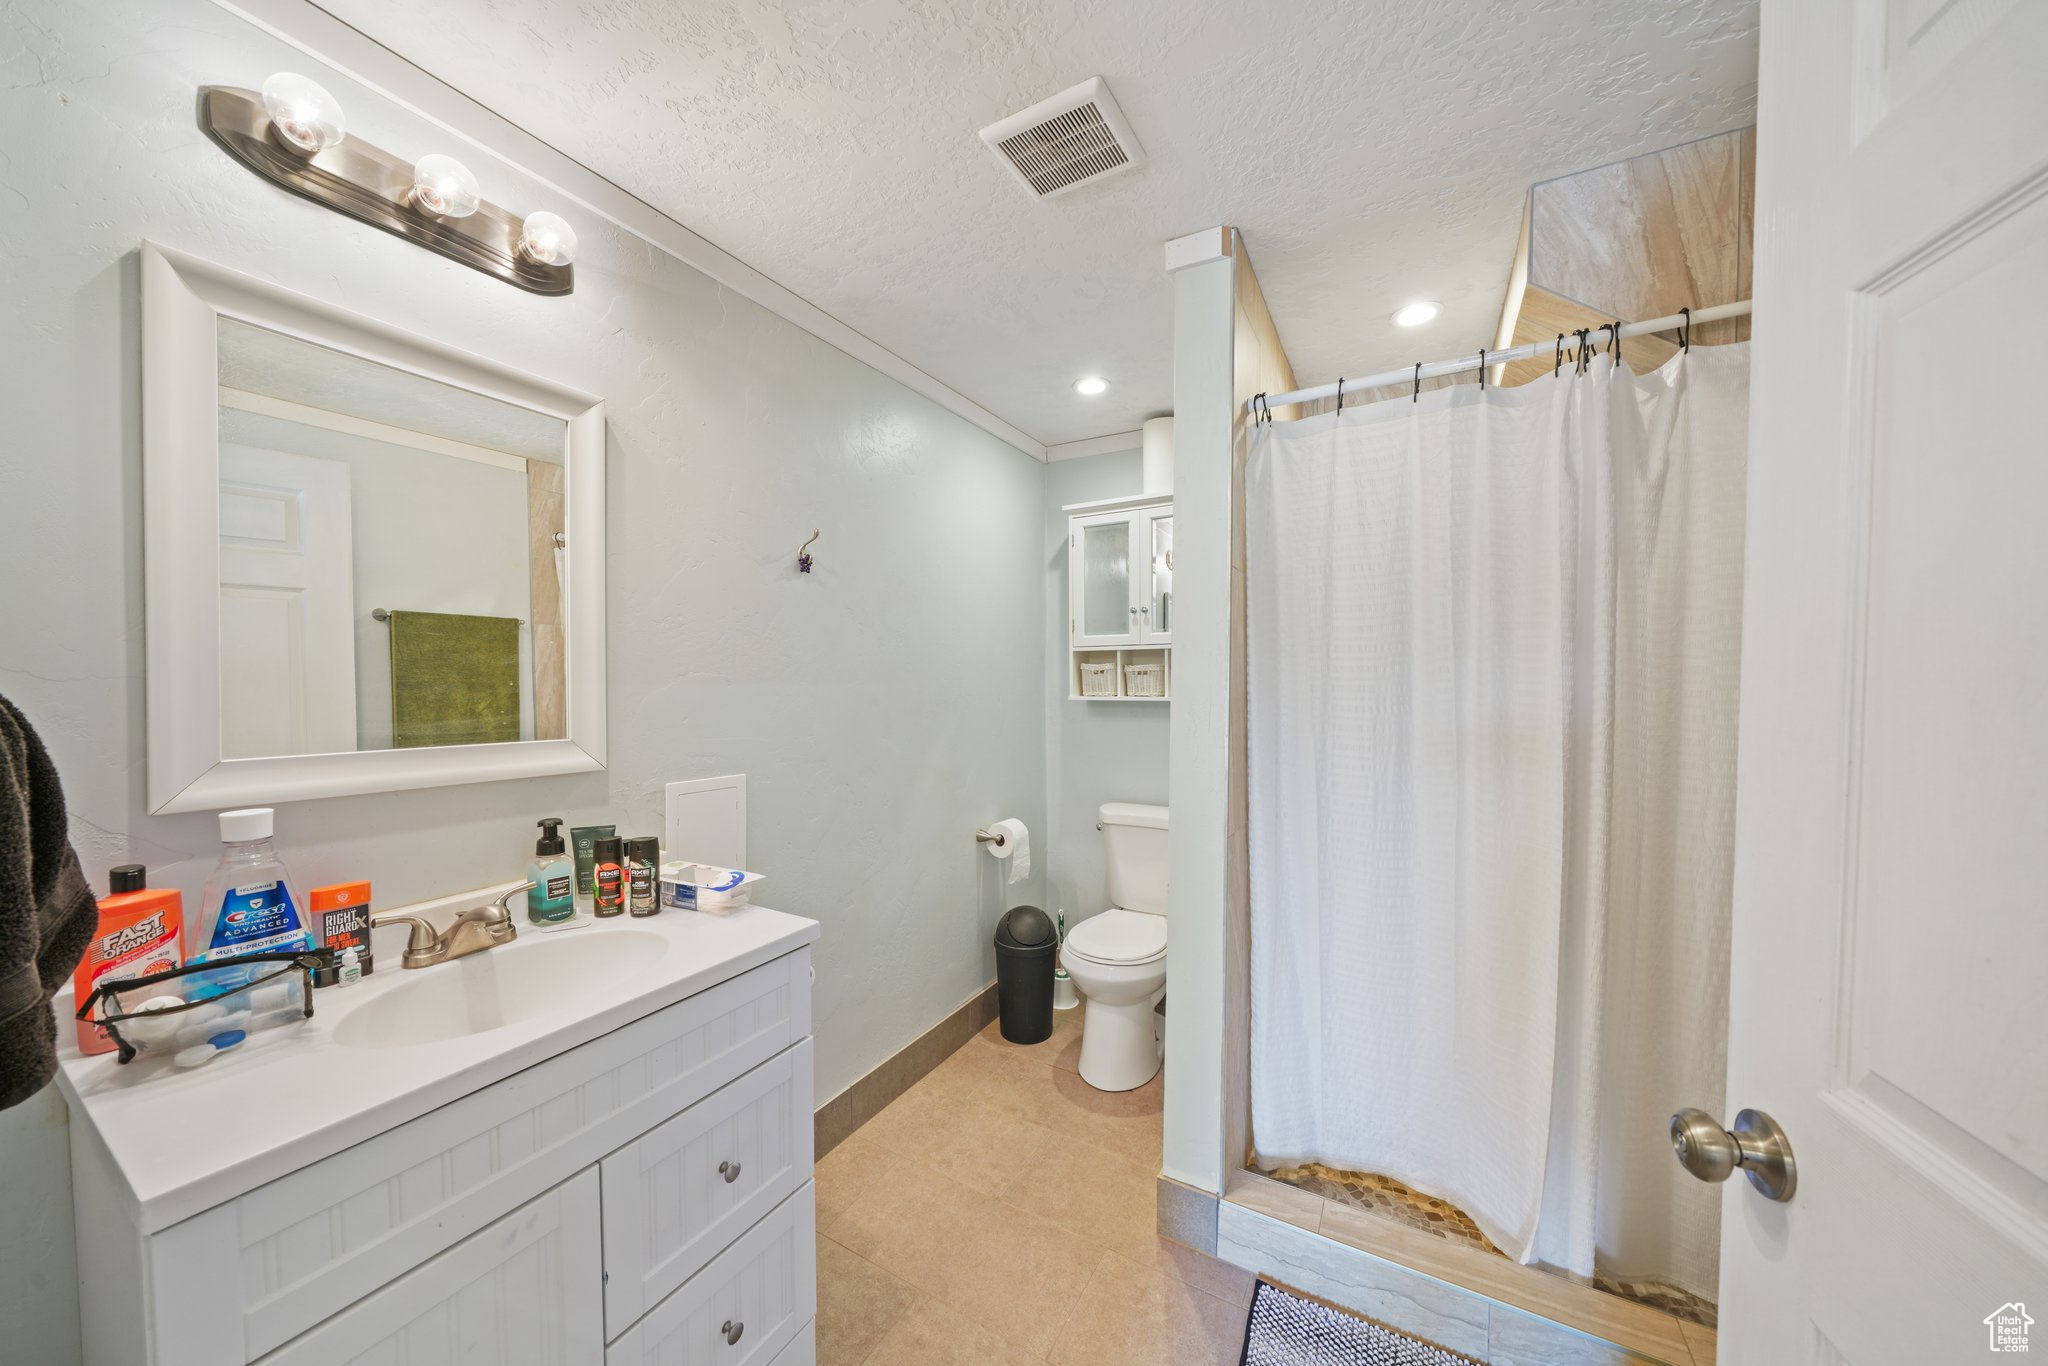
(1118, 938)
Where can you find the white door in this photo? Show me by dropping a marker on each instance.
(1891, 892)
(1103, 558)
(287, 605)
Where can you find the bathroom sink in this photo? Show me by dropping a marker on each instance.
(534, 976)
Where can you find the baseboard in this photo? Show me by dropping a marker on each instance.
(1187, 1215)
(901, 1070)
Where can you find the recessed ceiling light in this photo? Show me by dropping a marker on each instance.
(1416, 314)
(1091, 385)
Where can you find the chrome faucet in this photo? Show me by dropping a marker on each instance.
(476, 929)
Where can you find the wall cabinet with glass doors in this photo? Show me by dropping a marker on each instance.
(1120, 600)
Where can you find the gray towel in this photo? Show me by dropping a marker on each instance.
(47, 912)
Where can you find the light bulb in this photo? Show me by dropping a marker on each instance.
(443, 186)
(305, 116)
(548, 239)
(1416, 314)
(1091, 385)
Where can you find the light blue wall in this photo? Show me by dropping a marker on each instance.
(880, 707)
(1096, 752)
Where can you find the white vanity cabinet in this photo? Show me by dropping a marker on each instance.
(644, 1195)
(1120, 598)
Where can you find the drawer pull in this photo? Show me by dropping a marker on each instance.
(732, 1329)
(731, 1172)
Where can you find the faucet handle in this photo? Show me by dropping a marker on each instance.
(423, 943)
(504, 903)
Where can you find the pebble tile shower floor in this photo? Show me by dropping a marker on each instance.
(1001, 1210)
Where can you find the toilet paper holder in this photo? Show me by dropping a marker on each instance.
(989, 837)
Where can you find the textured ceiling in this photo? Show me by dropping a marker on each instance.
(1371, 154)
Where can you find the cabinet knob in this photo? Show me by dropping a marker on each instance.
(732, 1328)
(730, 1171)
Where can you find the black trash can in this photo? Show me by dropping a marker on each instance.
(1026, 947)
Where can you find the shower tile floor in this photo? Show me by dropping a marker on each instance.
(1390, 1199)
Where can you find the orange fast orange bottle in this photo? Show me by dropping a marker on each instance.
(139, 932)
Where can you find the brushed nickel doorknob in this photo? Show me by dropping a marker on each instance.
(1756, 1145)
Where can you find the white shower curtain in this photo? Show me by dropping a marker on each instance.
(1493, 643)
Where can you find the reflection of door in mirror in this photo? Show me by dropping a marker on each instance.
(389, 567)
(287, 639)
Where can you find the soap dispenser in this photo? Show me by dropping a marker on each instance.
(551, 900)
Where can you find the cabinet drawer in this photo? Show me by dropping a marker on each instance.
(523, 1292)
(292, 1253)
(765, 1286)
(668, 1202)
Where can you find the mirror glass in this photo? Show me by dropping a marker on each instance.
(391, 556)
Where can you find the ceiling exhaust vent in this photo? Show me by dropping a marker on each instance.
(1077, 136)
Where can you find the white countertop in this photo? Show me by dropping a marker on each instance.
(184, 1141)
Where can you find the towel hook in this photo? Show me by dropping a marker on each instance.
(803, 555)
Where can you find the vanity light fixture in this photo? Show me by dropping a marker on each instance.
(292, 134)
(304, 114)
(547, 238)
(443, 187)
(1416, 314)
(1091, 385)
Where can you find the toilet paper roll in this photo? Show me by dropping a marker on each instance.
(1015, 846)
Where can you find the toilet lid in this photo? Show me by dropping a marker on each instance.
(1118, 936)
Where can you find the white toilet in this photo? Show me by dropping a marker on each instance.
(1118, 959)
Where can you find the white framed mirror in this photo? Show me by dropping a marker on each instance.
(373, 562)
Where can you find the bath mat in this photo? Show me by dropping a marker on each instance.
(1289, 1328)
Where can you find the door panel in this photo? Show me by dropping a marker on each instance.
(1892, 820)
(526, 1291)
(287, 605)
(668, 1202)
(1102, 581)
(746, 1306)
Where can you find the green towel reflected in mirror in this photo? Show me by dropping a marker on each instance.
(454, 679)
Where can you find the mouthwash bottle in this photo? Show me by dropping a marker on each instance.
(249, 905)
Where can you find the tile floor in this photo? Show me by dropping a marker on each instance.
(1001, 1210)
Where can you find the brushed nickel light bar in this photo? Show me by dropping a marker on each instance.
(291, 134)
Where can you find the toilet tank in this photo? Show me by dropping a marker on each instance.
(1134, 838)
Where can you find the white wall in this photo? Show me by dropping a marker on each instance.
(429, 533)
(1096, 752)
(1203, 334)
(858, 699)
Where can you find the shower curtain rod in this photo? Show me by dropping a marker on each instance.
(1440, 368)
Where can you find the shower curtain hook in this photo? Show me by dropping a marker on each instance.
(1340, 393)
(1482, 368)
(1557, 363)
(1583, 358)
(1685, 331)
(1614, 340)
(1416, 397)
